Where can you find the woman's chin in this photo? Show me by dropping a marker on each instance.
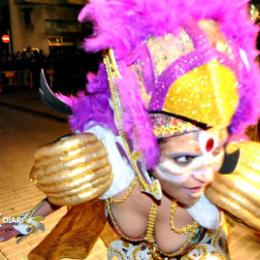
(189, 201)
(186, 197)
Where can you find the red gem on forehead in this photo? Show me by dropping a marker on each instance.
(209, 145)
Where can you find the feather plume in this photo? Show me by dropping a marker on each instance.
(124, 25)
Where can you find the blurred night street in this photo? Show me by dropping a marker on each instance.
(25, 124)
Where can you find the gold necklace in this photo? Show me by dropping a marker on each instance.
(126, 195)
(149, 238)
(155, 251)
(190, 228)
(115, 226)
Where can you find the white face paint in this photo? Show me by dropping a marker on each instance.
(178, 164)
(167, 170)
(203, 166)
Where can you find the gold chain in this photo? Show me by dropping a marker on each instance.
(190, 228)
(116, 227)
(156, 252)
(127, 194)
(149, 237)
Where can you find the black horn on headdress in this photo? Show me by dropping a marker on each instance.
(230, 162)
(49, 97)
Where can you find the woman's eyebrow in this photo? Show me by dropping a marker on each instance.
(180, 154)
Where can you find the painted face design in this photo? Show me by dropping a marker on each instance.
(198, 155)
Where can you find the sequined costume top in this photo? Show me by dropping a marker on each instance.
(201, 243)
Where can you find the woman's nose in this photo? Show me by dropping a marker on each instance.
(205, 175)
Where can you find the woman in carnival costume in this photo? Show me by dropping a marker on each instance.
(177, 87)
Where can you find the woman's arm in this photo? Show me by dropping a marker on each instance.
(14, 226)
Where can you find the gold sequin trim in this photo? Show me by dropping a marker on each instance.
(190, 228)
(126, 195)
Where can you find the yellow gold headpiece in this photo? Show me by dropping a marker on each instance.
(192, 81)
(206, 94)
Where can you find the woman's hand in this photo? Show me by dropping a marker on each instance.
(7, 232)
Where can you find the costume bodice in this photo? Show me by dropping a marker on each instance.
(149, 237)
(200, 240)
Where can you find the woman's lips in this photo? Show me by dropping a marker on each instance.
(194, 191)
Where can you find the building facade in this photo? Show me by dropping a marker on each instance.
(42, 24)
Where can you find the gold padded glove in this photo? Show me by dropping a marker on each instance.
(72, 170)
(239, 192)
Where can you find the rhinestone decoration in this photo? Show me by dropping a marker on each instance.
(167, 125)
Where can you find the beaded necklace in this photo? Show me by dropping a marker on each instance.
(191, 229)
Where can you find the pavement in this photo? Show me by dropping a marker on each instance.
(18, 194)
(29, 101)
(25, 124)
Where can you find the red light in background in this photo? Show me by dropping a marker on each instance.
(5, 38)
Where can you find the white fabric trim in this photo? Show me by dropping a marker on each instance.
(122, 172)
(205, 213)
(22, 228)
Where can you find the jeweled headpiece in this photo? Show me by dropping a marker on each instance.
(193, 59)
(165, 125)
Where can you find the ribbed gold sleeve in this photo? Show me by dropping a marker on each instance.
(239, 192)
(72, 170)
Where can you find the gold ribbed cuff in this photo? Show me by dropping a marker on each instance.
(72, 170)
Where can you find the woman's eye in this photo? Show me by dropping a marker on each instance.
(183, 160)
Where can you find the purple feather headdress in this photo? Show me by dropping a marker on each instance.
(125, 26)
(93, 108)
